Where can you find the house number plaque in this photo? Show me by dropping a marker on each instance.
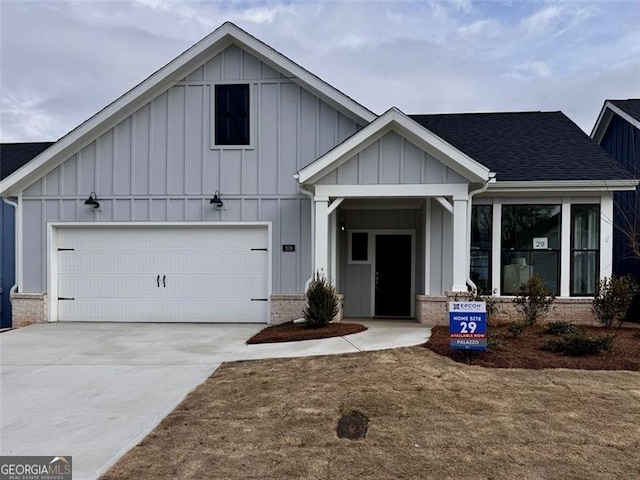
(288, 248)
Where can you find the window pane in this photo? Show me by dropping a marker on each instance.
(481, 216)
(585, 273)
(585, 226)
(521, 259)
(516, 271)
(232, 114)
(585, 249)
(359, 246)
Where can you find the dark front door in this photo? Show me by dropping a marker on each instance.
(393, 275)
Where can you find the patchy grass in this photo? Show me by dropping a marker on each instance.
(288, 332)
(524, 351)
(429, 417)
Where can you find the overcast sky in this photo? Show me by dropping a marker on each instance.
(61, 62)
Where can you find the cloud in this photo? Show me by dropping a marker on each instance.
(529, 70)
(425, 57)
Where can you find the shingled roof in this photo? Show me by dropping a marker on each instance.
(631, 106)
(526, 146)
(15, 155)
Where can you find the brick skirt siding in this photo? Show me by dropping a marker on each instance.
(433, 310)
(288, 307)
(28, 308)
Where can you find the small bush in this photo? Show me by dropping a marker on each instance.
(493, 305)
(613, 299)
(534, 300)
(515, 328)
(321, 302)
(579, 343)
(495, 342)
(558, 328)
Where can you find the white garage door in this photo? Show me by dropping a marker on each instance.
(163, 274)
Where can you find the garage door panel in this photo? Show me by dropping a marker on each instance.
(207, 274)
(186, 310)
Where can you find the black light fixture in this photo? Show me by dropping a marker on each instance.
(216, 200)
(343, 227)
(92, 200)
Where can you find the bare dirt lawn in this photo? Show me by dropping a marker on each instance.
(524, 350)
(289, 332)
(429, 417)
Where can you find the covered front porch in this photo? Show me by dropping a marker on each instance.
(391, 209)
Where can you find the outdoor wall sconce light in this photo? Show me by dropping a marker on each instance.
(92, 200)
(343, 227)
(216, 200)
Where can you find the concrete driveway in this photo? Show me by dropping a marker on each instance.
(95, 390)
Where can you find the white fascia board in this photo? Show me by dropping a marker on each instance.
(568, 186)
(459, 191)
(394, 120)
(303, 77)
(606, 114)
(161, 81)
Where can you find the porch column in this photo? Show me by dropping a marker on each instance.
(459, 246)
(606, 235)
(321, 254)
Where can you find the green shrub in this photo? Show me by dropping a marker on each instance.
(559, 328)
(515, 328)
(492, 302)
(613, 299)
(534, 300)
(579, 343)
(495, 341)
(321, 302)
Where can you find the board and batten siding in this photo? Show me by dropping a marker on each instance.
(392, 159)
(160, 164)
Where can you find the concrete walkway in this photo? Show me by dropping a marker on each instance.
(93, 391)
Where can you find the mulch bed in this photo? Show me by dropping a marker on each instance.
(288, 332)
(524, 350)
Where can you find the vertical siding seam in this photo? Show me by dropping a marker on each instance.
(96, 170)
(78, 170)
(402, 159)
(298, 129)
(114, 157)
(317, 150)
(223, 75)
(258, 94)
(150, 150)
(205, 98)
(166, 159)
(380, 143)
(185, 161)
(132, 143)
(280, 258)
(278, 138)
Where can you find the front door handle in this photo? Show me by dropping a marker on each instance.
(158, 280)
(164, 281)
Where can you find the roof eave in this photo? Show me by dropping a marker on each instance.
(394, 119)
(554, 186)
(162, 80)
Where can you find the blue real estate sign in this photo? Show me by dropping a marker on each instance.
(468, 325)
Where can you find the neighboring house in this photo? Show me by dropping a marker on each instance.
(12, 157)
(617, 130)
(214, 189)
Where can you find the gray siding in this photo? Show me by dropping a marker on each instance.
(441, 260)
(391, 160)
(160, 164)
(354, 280)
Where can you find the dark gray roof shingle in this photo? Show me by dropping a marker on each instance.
(630, 106)
(15, 155)
(526, 146)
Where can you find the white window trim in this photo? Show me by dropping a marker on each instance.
(253, 94)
